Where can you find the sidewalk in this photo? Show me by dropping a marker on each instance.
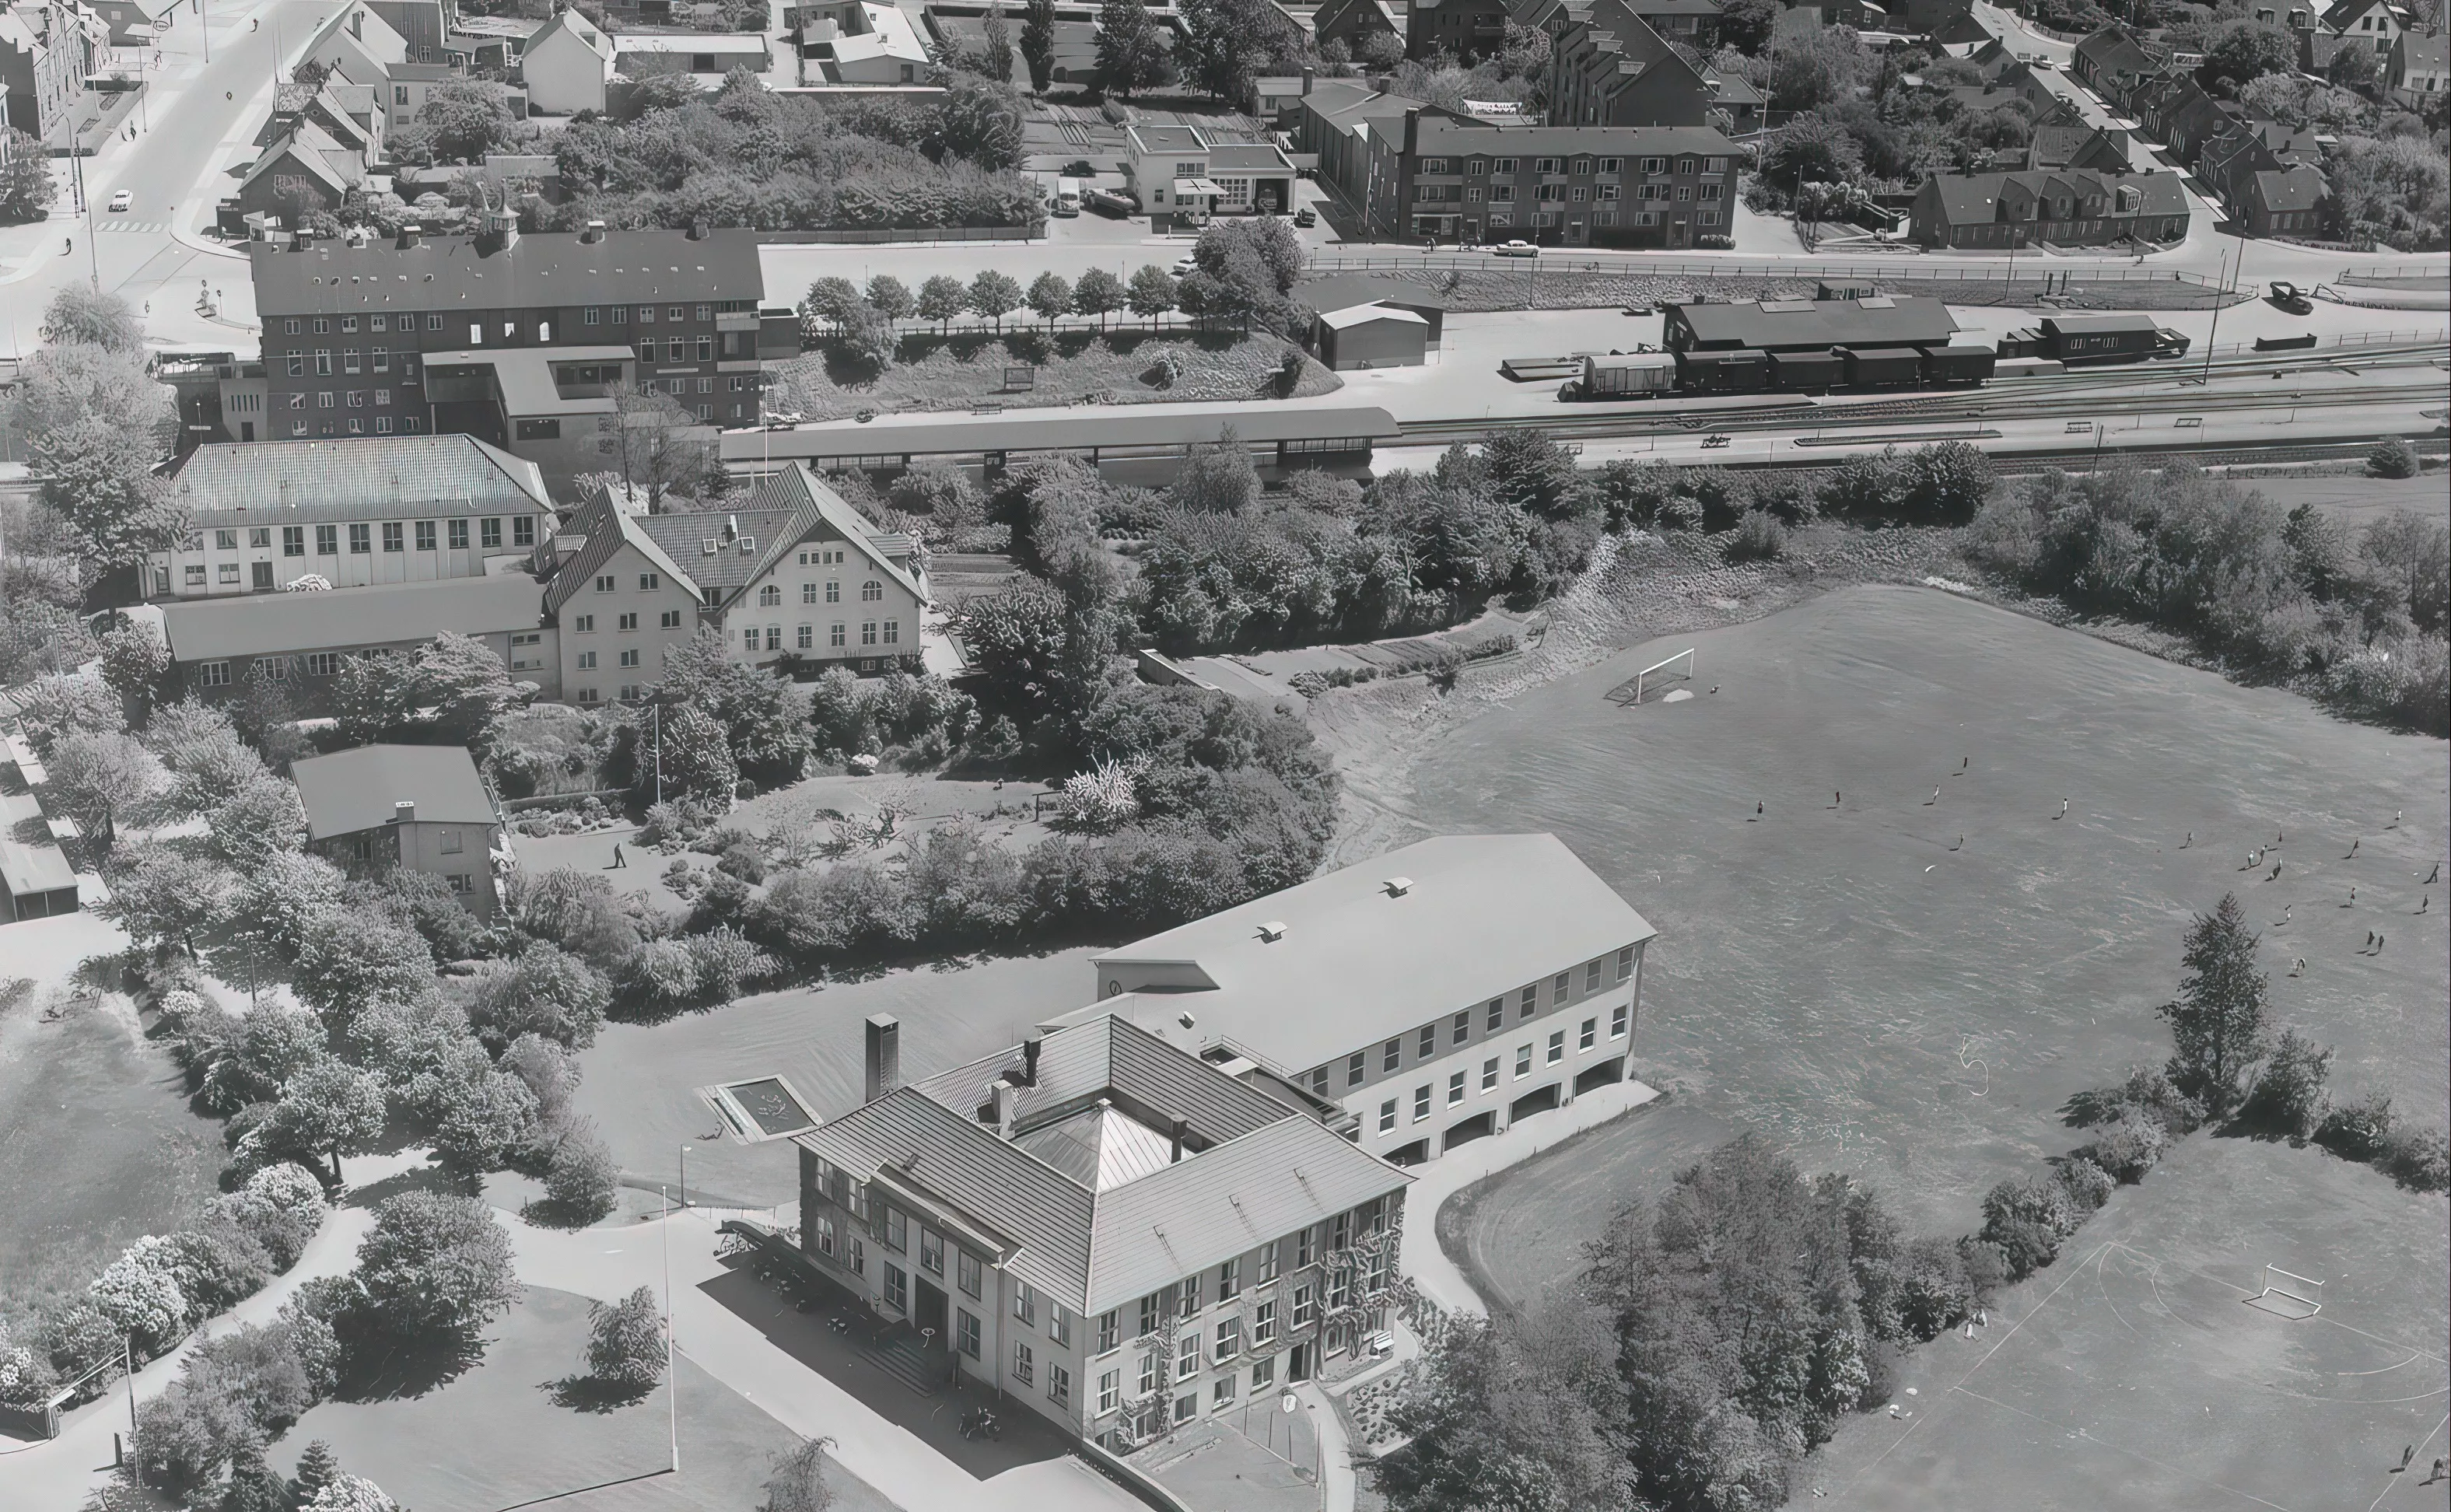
(1424, 1259)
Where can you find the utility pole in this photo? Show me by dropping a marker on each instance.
(672, 1382)
(2220, 294)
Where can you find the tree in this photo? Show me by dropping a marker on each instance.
(434, 1263)
(1227, 43)
(1152, 293)
(2416, 553)
(978, 121)
(486, 1120)
(372, 695)
(664, 447)
(798, 1483)
(1745, 25)
(696, 758)
(1038, 42)
(2290, 1098)
(996, 46)
(468, 117)
(64, 385)
(349, 960)
(26, 188)
(581, 1177)
(760, 721)
(625, 1341)
(2392, 456)
(2218, 1017)
(105, 491)
(317, 1468)
(1531, 472)
(1946, 482)
(1269, 239)
(464, 684)
(2246, 50)
(326, 1110)
(136, 664)
(260, 820)
(1217, 479)
(941, 298)
(830, 300)
(1099, 293)
(890, 297)
(79, 314)
(542, 991)
(1050, 298)
(993, 294)
(2352, 66)
(161, 895)
(350, 1493)
(100, 776)
(1129, 55)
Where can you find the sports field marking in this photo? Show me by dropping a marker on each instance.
(2396, 1344)
(2391, 1482)
(2121, 1449)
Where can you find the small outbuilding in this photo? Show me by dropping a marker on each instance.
(1373, 336)
(423, 808)
(1344, 291)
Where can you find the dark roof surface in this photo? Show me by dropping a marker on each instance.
(263, 624)
(932, 434)
(1343, 291)
(538, 270)
(357, 790)
(1898, 320)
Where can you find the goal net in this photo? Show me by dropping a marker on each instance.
(1657, 681)
(2288, 1293)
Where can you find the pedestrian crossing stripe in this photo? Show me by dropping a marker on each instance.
(131, 226)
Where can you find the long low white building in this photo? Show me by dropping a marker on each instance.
(1438, 993)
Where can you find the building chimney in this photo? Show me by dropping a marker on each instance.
(594, 233)
(1030, 1060)
(1182, 1127)
(403, 812)
(697, 229)
(884, 1055)
(1006, 1094)
(1310, 76)
(411, 235)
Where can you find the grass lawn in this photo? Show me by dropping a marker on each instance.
(1078, 366)
(100, 1148)
(2133, 1373)
(501, 1433)
(639, 1077)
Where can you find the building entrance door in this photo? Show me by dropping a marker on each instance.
(1298, 1364)
(930, 1313)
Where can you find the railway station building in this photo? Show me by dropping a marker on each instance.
(1438, 993)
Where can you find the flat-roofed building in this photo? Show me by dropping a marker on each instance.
(389, 510)
(422, 808)
(1115, 1233)
(1438, 993)
(1187, 170)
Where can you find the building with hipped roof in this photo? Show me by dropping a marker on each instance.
(1439, 994)
(787, 573)
(1117, 1233)
(394, 509)
(47, 49)
(419, 808)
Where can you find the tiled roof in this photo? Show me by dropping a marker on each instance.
(363, 477)
(358, 789)
(1449, 138)
(1900, 320)
(266, 624)
(542, 268)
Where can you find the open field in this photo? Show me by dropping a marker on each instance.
(1078, 366)
(100, 1147)
(2356, 501)
(639, 1077)
(502, 1434)
(2132, 1374)
(1886, 1003)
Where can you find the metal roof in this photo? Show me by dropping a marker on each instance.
(933, 434)
(263, 624)
(1353, 315)
(362, 478)
(1342, 291)
(538, 269)
(361, 789)
(1485, 913)
(1096, 1235)
(1897, 320)
(525, 376)
(29, 869)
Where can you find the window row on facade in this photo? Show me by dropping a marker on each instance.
(1447, 1033)
(1459, 1081)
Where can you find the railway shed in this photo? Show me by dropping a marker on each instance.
(1811, 325)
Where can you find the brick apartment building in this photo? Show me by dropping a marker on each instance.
(1114, 1233)
(1438, 993)
(348, 325)
(1661, 186)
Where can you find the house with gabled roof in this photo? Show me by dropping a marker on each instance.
(414, 808)
(2066, 208)
(1118, 1235)
(568, 64)
(2375, 23)
(2113, 63)
(788, 573)
(2417, 71)
(306, 169)
(1608, 67)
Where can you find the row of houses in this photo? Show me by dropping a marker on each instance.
(49, 50)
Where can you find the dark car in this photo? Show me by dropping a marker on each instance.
(2290, 297)
(1306, 217)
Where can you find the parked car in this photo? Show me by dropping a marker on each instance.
(1186, 266)
(1110, 201)
(121, 201)
(2290, 297)
(1306, 217)
(1518, 247)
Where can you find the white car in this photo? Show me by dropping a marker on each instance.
(1518, 247)
(121, 201)
(1186, 266)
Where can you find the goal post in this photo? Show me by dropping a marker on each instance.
(1662, 675)
(2290, 1292)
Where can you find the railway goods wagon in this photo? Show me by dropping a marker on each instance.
(1744, 371)
(1791, 372)
(1958, 362)
(1627, 375)
(1885, 367)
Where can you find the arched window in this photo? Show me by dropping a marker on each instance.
(770, 597)
(871, 591)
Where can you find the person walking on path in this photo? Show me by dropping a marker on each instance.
(619, 859)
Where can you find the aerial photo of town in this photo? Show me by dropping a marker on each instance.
(1225, 756)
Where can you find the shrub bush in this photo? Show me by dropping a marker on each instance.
(2131, 1146)
(2357, 1130)
(2290, 1098)
(2419, 1159)
(2392, 457)
(1758, 537)
(581, 1177)
(625, 1341)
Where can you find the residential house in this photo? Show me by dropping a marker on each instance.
(864, 43)
(351, 115)
(2417, 72)
(1339, 119)
(348, 324)
(1467, 31)
(1111, 1233)
(1182, 172)
(2295, 202)
(568, 64)
(135, 23)
(1353, 22)
(2300, 16)
(1559, 186)
(360, 48)
(304, 169)
(2113, 63)
(380, 510)
(1693, 23)
(417, 808)
(298, 640)
(2067, 207)
(424, 26)
(2317, 47)
(48, 48)
(1609, 65)
(791, 575)
(1439, 994)
(705, 56)
(2249, 146)
(2379, 22)
(2102, 149)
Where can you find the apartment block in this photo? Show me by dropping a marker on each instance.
(1118, 1235)
(350, 325)
(1438, 993)
(793, 577)
(1650, 186)
(395, 509)
(1636, 63)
